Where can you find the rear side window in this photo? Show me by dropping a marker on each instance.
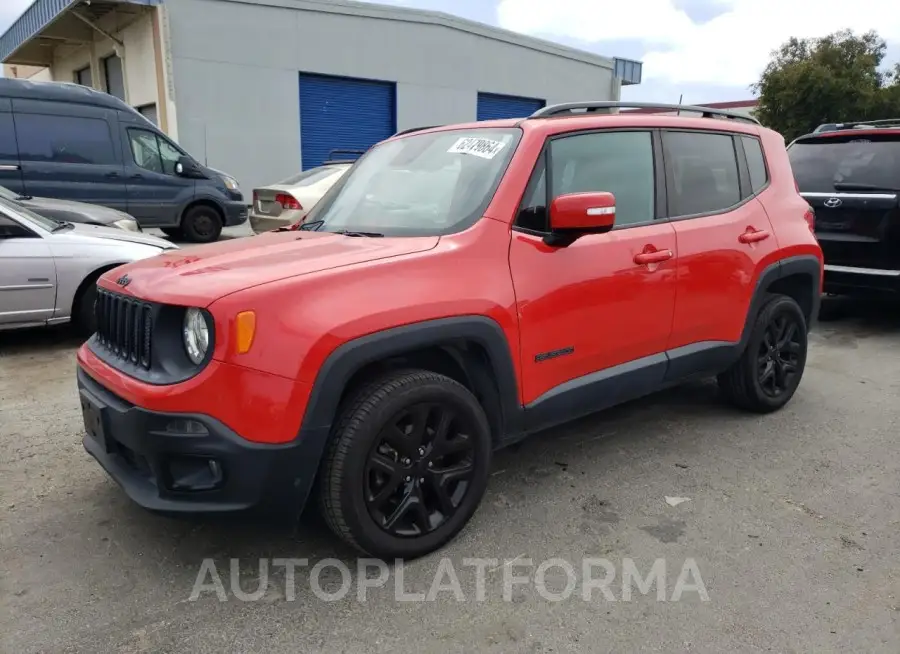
(756, 163)
(704, 172)
(824, 164)
(64, 139)
(8, 149)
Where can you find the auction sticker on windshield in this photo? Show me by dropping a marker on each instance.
(480, 147)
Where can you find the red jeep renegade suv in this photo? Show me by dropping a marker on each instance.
(459, 288)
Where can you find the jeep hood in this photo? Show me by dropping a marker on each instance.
(198, 276)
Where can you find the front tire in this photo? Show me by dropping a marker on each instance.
(84, 315)
(201, 224)
(407, 466)
(768, 373)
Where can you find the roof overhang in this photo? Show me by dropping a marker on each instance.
(46, 24)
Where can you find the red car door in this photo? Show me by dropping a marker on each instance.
(723, 233)
(601, 308)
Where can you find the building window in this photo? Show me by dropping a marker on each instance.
(64, 139)
(148, 111)
(115, 78)
(84, 78)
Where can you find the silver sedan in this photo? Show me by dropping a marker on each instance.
(48, 268)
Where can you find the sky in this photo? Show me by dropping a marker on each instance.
(705, 50)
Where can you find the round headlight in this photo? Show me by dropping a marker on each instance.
(196, 335)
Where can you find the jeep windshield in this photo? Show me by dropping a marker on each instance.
(419, 185)
(846, 163)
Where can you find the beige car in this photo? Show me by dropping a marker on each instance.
(288, 201)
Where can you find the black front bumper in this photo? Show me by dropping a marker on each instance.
(165, 464)
(236, 213)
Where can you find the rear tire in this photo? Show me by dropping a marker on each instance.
(769, 371)
(407, 466)
(201, 224)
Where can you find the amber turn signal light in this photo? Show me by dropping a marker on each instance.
(245, 330)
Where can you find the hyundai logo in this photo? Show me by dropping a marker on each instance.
(123, 281)
(833, 203)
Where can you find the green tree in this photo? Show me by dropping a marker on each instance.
(827, 80)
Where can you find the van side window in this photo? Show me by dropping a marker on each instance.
(8, 149)
(64, 139)
(153, 153)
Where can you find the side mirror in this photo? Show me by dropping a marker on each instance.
(576, 214)
(187, 167)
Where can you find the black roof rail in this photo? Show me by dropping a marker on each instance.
(569, 108)
(415, 129)
(857, 124)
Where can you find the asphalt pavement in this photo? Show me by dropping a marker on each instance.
(777, 533)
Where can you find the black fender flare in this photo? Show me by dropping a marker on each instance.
(807, 265)
(350, 357)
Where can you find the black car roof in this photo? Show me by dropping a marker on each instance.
(59, 92)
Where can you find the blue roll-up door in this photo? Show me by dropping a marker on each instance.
(492, 106)
(340, 113)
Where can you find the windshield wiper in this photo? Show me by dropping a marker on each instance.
(851, 186)
(311, 226)
(23, 198)
(61, 225)
(346, 232)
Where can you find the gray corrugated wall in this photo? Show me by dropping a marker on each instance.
(236, 65)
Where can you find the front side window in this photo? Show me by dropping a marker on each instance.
(153, 153)
(422, 184)
(64, 139)
(846, 163)
(620, 163)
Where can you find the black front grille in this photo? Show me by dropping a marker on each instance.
(124, 327)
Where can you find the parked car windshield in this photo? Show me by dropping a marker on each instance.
(868, 160)
(422, 184)
(15, 207)
(6, 194)
(311, 176)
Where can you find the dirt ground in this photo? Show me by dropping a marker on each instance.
(792, 519)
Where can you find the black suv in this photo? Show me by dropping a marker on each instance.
(850, 174)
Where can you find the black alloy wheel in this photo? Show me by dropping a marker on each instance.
(778, 356)
(419, 470)
(770, 368)
(407, 465)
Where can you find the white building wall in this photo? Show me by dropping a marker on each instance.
(236, 68)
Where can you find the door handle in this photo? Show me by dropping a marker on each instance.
(137, 176)
(8, 167)
(753, 235)
(111, 174)
(657, 256)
